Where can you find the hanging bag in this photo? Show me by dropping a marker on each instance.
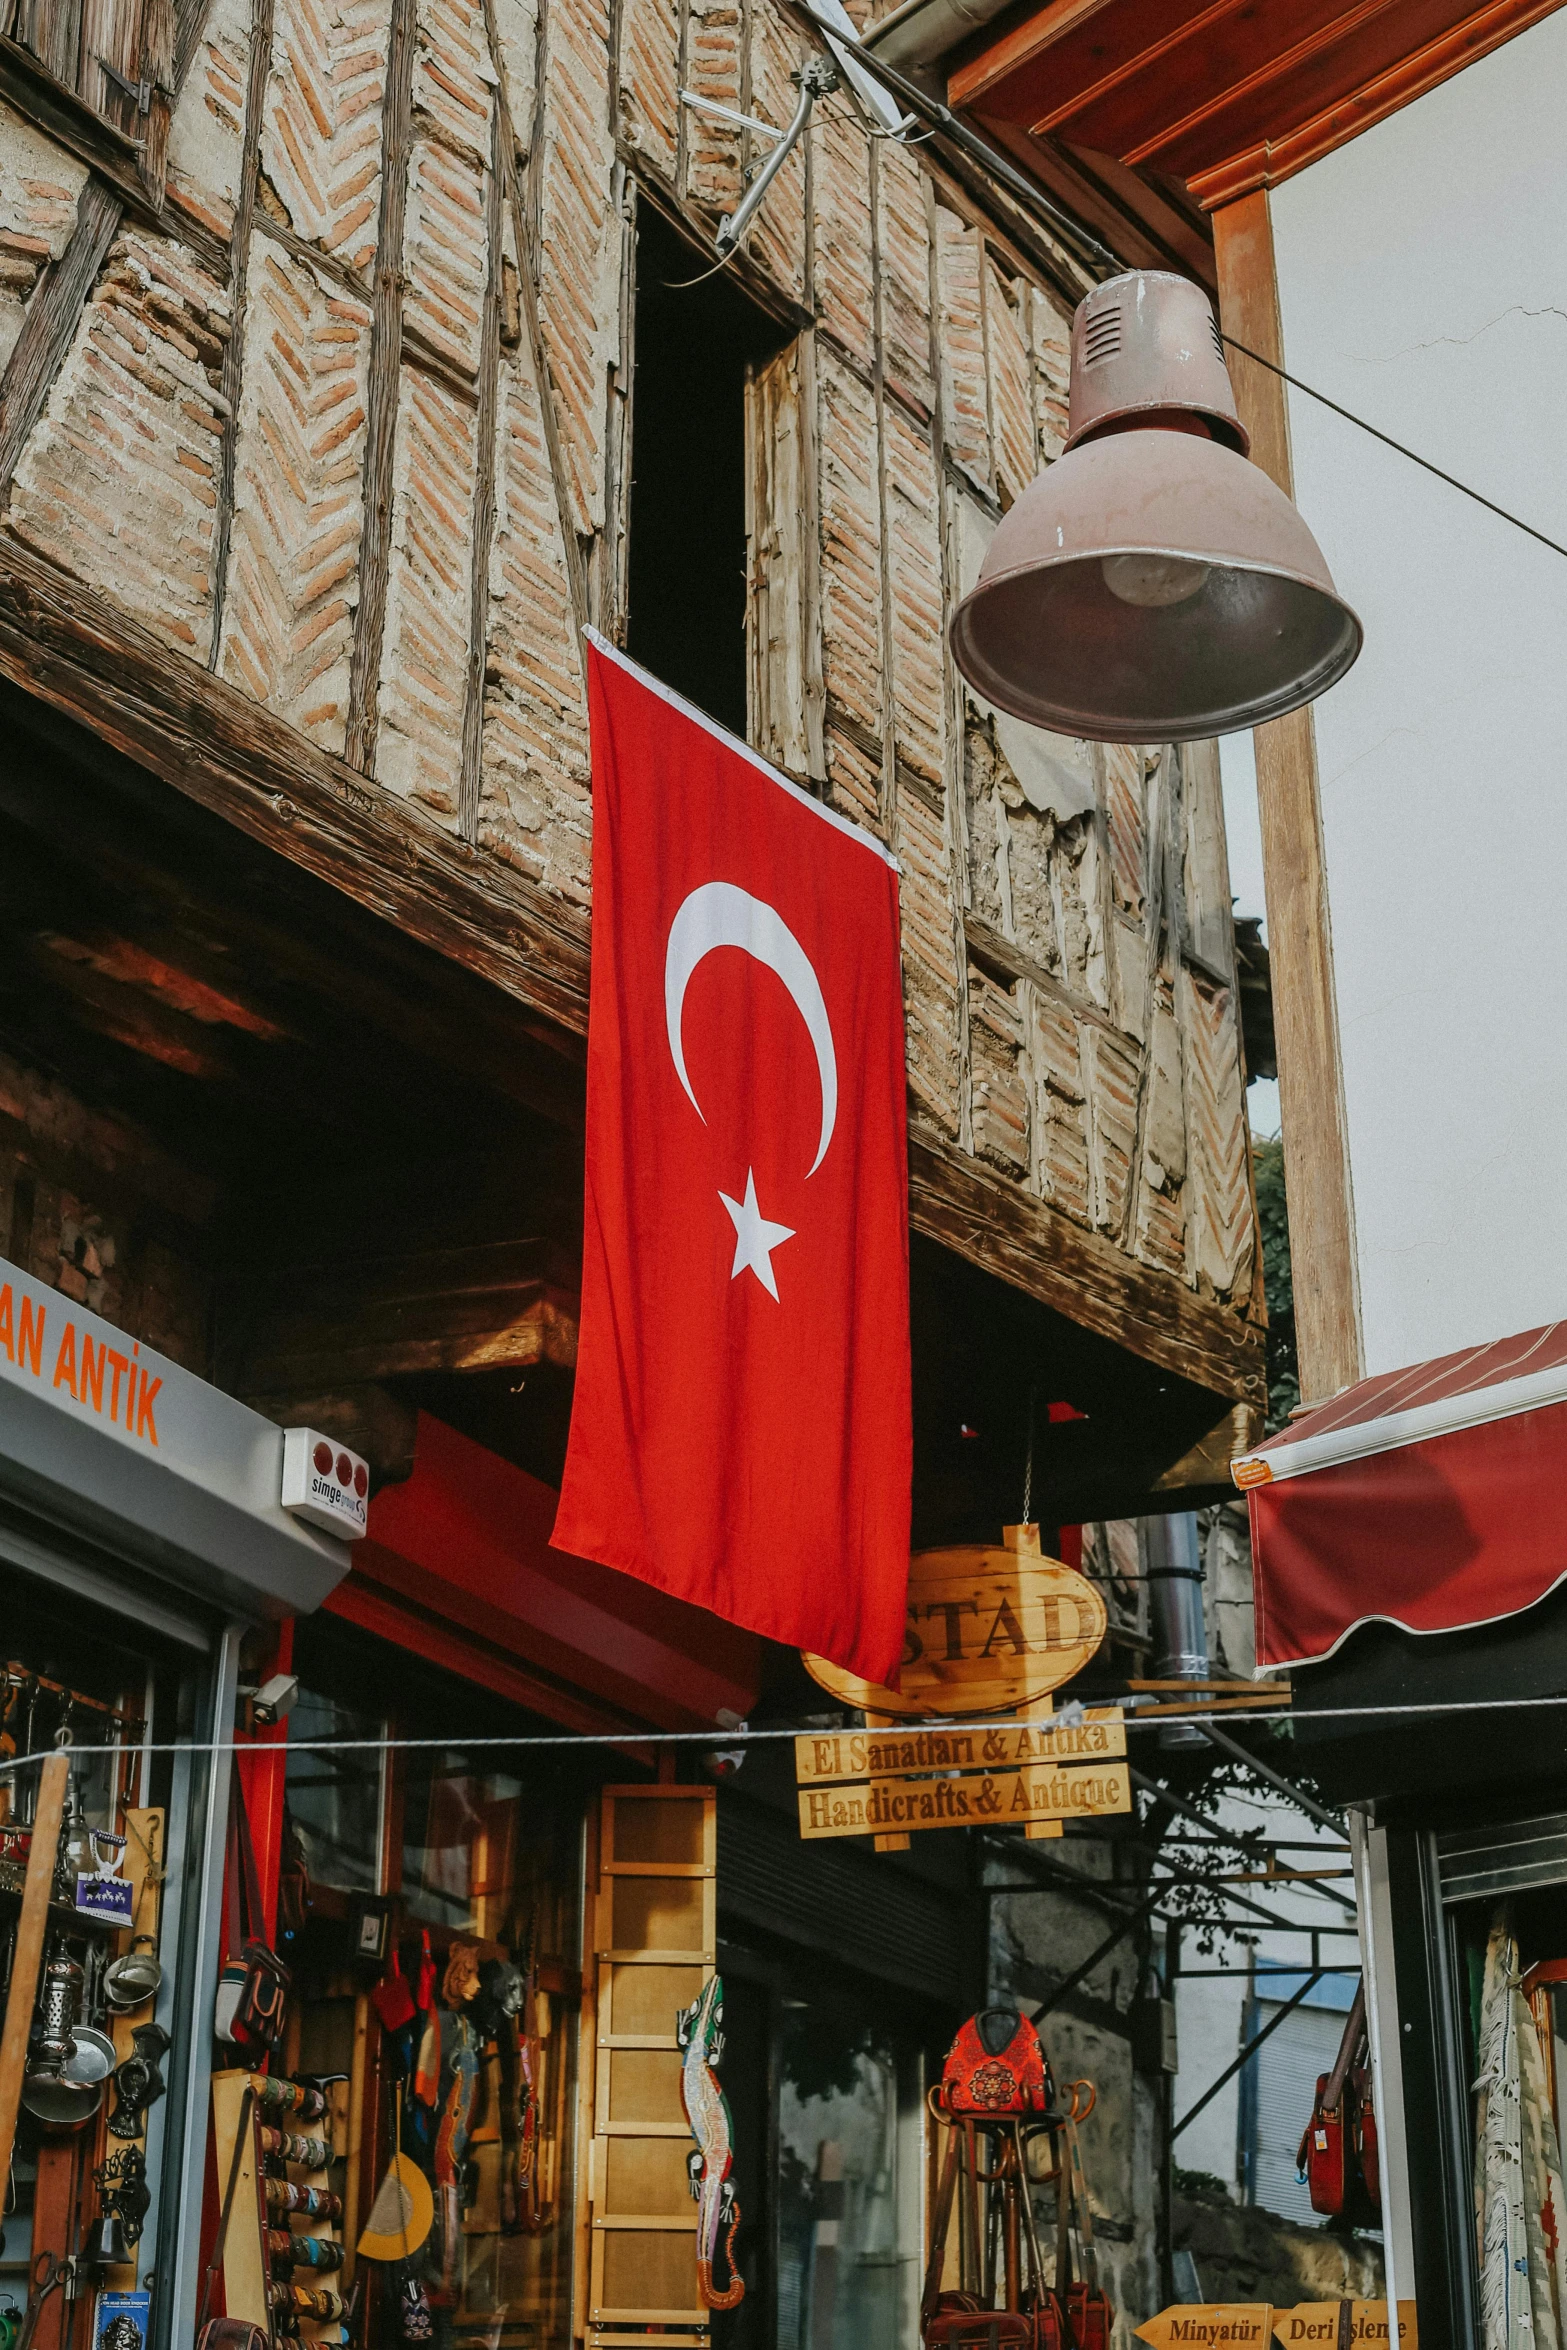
(253, 1985)
(228, 2333)
(392, 1999)
(1329, 2158)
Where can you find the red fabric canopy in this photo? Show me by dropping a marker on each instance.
(1430, 1498)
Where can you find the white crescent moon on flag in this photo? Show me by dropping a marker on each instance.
(720, 915)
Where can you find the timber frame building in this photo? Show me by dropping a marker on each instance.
(352, 359)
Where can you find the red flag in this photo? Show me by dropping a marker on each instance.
(741, 1430)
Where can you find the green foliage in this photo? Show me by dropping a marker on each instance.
(1267, 1160)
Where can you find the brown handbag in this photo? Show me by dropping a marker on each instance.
(253, 1985)
(228, 2333)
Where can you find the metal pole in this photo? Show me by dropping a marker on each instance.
(1188, 1811)
(818, 79)
(1134, 1918)
(1249, 2050)
(1313, 1811)
(941, 118)
(207, 1813)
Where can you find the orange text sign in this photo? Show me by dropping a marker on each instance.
(1211, 2325)
(1002, 1799)
(877, 1754)
(988, 1631)
(1319, 2325)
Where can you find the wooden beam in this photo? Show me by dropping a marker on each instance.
(1305, 1010)
(1019, 47)
(240, 242)
(49, 324)
(1064, 175)
(381, 395)
(1278, 158)
(470, 786)
(1024, 1241)
(64, 644)
(311, 1327)
(1208, 1462)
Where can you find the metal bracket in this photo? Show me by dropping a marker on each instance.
(817, 78)
(140, 91)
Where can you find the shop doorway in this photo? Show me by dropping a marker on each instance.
(825, 2078)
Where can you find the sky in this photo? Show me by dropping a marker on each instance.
(1243, 834)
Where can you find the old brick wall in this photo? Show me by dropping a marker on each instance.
(346, 424)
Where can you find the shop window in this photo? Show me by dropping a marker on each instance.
(336, 1799)
(117, 1959)
(851, 2141)
(459, 2043)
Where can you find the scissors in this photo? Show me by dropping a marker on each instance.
(48, 2273)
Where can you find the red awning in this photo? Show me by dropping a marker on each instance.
(458, 1568)
(1430, 1498)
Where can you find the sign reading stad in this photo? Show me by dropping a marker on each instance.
(988, 1630)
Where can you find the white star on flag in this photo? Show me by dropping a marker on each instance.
(755, 1238)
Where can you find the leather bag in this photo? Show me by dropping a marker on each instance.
(1332, 2156)
(995, 2068)
(253, 1985)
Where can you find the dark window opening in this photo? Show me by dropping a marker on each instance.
(686, 584)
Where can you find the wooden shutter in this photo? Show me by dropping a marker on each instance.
(784, 667)
(654, 1928)
(1206, 877)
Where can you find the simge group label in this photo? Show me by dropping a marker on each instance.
(993, 1800)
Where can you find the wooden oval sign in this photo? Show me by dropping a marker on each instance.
(988, 1630)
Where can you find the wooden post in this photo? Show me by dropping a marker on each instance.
(32, 1926)
(1300, 941)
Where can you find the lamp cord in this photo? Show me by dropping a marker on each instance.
(1414, 457)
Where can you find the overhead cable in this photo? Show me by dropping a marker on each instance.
(1413, 455)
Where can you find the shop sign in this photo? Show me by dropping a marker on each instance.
(325, 1484)
(1009, 1799)
(1321, 2323)
(876, 1754)
(1247, 2325)
(1210, 2325)
(988, 1630)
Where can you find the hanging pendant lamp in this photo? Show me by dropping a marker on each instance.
(1152, 585)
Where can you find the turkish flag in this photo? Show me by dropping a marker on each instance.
(741, 1429)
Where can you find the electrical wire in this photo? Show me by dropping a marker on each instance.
(718, 1736)
(1413, 455)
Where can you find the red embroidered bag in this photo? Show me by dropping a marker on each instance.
(995, 2068)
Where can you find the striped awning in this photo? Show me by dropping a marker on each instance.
(1431, 1498)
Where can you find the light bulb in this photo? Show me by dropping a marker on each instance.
(1152, 580)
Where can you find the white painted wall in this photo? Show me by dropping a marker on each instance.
(1423, 283)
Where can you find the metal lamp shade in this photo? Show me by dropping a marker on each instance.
(1258, 630)
(1152, 585)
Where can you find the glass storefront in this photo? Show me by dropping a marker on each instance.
(463, 1864)
(98, 2150)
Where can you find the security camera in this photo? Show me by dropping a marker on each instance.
(273, 1700)
(722, 1762)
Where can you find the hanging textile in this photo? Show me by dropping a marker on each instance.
(1519, 2197)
